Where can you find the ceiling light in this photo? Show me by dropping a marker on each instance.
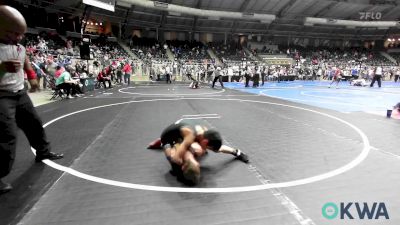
(103, 5)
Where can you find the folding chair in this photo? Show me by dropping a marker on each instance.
(57, 92)
(51, 82)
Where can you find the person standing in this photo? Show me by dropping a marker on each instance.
(256, 77)
(397, 75)
(119, 75)
(371, 73)
(210, 71)
(218, 76)
(247, 75)
(264, 72)
(16, 108)
(336, 77)
(127, 73)
(377, 76)
(168, 74)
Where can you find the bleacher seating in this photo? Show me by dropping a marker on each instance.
(186, 51)
(148, 49)
(228, 53)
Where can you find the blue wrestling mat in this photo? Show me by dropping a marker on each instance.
(345, 98)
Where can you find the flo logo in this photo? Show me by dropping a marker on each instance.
(370, 15)
(355, 210)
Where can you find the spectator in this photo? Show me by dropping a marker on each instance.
(168, 74)
(66, 83)
(119, 75)
(127, 69)
(59, 71)
(397, 75)
(102, 77)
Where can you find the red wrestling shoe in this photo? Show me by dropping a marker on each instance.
(155, 144)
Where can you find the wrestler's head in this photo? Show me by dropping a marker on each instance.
(213, 140)
(191, 172)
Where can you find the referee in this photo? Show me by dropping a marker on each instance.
(16, 108)
(218, 76)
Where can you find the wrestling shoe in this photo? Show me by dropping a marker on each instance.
(5, 187)
(241, 156)
(155, 144)
(49, 155)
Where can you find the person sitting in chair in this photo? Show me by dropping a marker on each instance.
(69, 85)
(102, 78)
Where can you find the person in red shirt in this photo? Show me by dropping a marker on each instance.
(336, 77)
(110, 72)
(59, 71)
(127, 70)
(102, 78)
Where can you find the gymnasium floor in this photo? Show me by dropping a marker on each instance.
(308, 145)
(343, 98)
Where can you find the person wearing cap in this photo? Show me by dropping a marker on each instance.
(184, 144)
(16, 108)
